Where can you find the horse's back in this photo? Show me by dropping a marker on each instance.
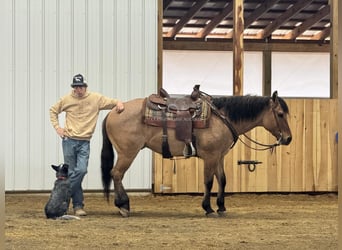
(132, 113)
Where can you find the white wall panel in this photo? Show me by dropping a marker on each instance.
(113, 43)
(7, 100)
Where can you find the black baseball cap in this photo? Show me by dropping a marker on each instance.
(78, 80)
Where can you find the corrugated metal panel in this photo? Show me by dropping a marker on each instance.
(114, 43)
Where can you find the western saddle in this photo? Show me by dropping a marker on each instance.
(183, 114)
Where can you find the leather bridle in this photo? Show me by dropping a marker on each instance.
(236, 137)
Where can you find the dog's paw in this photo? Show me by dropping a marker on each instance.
(69, 217)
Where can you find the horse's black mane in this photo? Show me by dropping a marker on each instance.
(240, 108)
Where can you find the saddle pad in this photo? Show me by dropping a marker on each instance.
(154, 117)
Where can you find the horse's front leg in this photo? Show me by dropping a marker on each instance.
(221, 180)
(208, 184)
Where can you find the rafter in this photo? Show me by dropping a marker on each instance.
(263, 8)
(279, 20)
(217, 19)
(323, 34)
(185, 19)
(166, 4)
(283, 18)
(258, 12)
(309, 23)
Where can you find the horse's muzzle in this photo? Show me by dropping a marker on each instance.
(285, 140)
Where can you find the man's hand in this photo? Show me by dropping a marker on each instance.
(119, 107)
(60, 132)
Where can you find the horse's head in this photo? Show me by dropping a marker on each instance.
(275, 120)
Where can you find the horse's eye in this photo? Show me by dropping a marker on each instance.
(281, 115)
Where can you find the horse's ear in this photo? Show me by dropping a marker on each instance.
(275, 96)
(274, 102)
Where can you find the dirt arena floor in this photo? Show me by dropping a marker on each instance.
(253, 221)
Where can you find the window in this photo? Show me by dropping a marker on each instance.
(293, 74)
(301, 74)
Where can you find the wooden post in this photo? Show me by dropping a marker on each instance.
(157, 173)
(339, 115)
(238, 55)
(333, 48)
(266, 72)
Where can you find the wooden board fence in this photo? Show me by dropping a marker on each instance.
(308, 164)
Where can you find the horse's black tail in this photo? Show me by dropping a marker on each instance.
(107, 160)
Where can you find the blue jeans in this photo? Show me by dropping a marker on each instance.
(76, 155)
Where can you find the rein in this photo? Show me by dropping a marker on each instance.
(223, 118)
(234, 132)
(265, 146)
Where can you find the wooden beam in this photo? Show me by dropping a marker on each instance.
(284, 17)
(266, 72)
(255, 15)
(323, 34)
(338, 6)
(227, 45)
(166, 4)
(308, 23)
(185, 19)
(238, 55)
(216, 21)
(334, 49)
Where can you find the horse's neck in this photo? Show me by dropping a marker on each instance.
(245, 126)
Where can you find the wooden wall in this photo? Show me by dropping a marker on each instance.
(308, 164)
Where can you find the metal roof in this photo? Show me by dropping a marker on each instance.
(272, 20)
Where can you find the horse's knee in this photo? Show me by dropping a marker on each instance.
(209, 185)
(223, 181)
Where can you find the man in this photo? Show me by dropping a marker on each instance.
(81, 112)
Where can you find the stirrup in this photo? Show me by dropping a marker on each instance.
(189, 150)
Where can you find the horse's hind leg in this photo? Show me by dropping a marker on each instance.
(121, 198)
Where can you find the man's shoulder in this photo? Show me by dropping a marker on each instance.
(66, 96)
(92, 94)
(97, 95)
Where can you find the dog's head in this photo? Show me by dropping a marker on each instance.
(61, 170)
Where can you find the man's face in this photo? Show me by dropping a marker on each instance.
(80, 90)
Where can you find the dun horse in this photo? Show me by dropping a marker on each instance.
(127, 133)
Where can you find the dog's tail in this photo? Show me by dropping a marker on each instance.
(107, 160)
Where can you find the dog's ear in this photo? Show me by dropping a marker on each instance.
(56, 168)
(63, 170)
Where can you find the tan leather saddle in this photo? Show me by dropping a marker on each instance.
(181, 113)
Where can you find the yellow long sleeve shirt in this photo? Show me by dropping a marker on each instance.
(81, 113)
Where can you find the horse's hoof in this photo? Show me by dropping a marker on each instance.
(211, 215)
(124, 212)
(222, 213)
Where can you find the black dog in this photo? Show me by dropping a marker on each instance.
(57, 206)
